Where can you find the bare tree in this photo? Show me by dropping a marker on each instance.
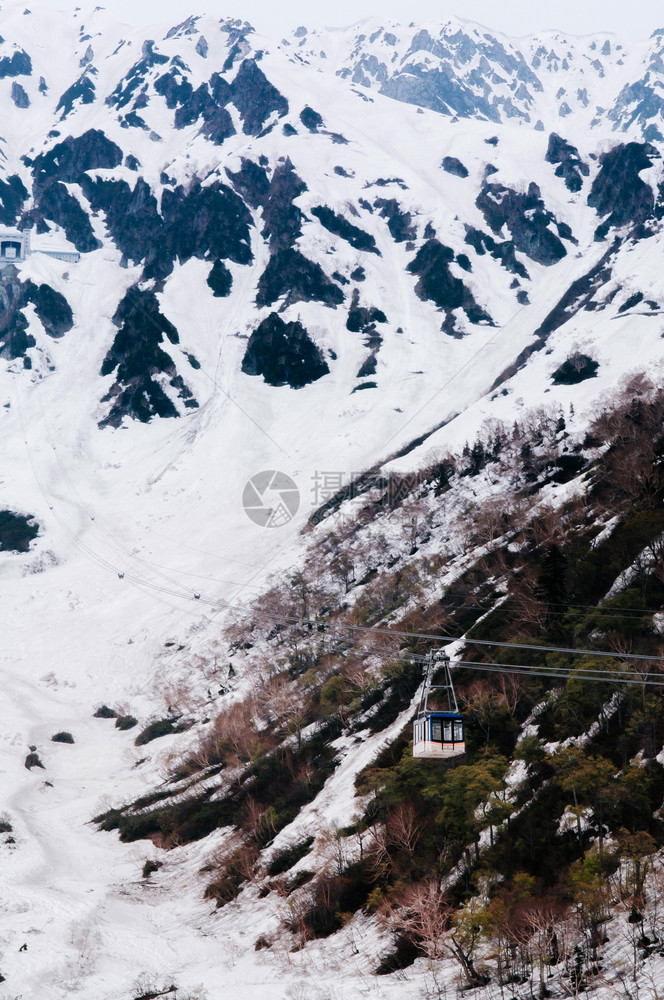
(422, 916)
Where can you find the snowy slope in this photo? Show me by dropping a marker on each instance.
(545, 81)
(138, 516)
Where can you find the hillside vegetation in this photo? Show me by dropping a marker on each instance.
(526, 859)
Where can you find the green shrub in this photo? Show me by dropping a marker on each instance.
(299, 879)
(150, 867)
(163, 727)
(530, 750)
(104, 712)
(125, 722)
(62, 737)
(404, 954)
(284, 859)
(233, 872)
(333, 899)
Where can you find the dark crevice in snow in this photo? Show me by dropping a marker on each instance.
(578, 296)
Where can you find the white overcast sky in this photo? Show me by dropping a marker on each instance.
(631, 19)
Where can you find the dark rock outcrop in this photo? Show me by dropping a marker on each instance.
(132, 216)
(68, 159)
(399, 223)
(291, 274)
(19, 96)
(504, 252)
(311, 119)
(452, 165)
(66, 163)
(220, 279)
(526, 218)
(174, 87)
(251, 182)
(363, 319)
(82, 90)
(618, 192)
(368, 367)
(55, 202)
(339, 226)
(51, 307)
(129, 85)
(438, 284)
(631, 302)
(282, 219)
(255, 97)
(18, 64)
(14, 338)
(207, 102)
(16, 533)
(206, 222)
(33, 760)
(284, 354)
(578, 296)
(13, 195)
(140, 364)
(570, 165)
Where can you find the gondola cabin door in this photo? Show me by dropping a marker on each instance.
(438, 734)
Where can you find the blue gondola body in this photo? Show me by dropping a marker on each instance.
(439, 734)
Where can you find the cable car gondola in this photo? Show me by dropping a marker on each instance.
(438, 733)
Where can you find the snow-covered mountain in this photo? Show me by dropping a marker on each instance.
(547, 81)
(341, 251)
